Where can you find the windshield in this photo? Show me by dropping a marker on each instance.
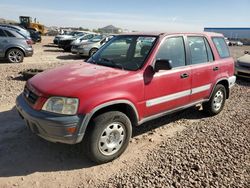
(96, 38)
(124, 52)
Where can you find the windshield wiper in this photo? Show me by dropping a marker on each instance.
(113, 63)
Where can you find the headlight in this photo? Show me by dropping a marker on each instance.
(61, 105)
(83, 46)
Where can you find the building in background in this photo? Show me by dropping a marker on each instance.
(232, 32)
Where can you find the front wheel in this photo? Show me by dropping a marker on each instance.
(108, 136)
(216, 103)
(92, 51)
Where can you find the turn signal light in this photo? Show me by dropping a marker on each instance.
(71, 130)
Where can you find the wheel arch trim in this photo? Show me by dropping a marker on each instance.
(89, 115)
(230, 81)
(13, 47)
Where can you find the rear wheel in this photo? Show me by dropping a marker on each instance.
(15, 55)
(216, 103)
(109, 136)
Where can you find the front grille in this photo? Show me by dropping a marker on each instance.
(245, 65)
(30, 96)
(244, 74)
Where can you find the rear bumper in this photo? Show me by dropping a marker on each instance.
(231, 81)
(50, 126)
(29, 52)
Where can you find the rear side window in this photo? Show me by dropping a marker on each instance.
(2, 34)
(221, 47)
(173, 49)
(199, 51)
(9, 34)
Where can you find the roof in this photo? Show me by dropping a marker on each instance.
(209, 34)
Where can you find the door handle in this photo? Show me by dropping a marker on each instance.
(184, 75)
(215, 68)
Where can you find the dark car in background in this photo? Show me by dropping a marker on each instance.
(35, 35)
(14, 46)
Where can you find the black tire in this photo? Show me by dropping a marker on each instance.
(15, 55)
(67, 48)
(217, 101)
(92, 51)
(101, 135)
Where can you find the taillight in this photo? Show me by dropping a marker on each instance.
(29, 42)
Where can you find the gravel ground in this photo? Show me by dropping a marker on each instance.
(211, 152)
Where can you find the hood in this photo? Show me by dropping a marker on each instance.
(78, 42)
(63, 36)
(73, 79)
(244, 60)
(89, 43)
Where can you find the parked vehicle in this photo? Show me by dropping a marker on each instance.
(242, 66)
(35, 36)
(14, 46)
(69, 35)
(90, 47)
(239, 43)
(234, 43)
(67, 43)
(21, 30)
(132, 79)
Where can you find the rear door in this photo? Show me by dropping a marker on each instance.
(3, 42)
(202, 67)
(169, 89)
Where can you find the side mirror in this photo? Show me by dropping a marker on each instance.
(162, 64)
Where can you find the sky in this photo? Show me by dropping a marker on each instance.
(139, 15)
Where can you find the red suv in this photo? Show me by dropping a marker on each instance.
(132, 79)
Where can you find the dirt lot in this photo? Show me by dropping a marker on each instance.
(180, 150)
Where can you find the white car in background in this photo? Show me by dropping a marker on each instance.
(67, 36)
(82, 39)
(91, 47)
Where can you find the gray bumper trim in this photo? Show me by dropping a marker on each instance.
(50, 126)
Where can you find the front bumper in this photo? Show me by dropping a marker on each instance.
(242, 71)
(74, 49)
(56, 41)
(83, 51)
(50, 126)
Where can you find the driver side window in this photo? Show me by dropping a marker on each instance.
(173, 49)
